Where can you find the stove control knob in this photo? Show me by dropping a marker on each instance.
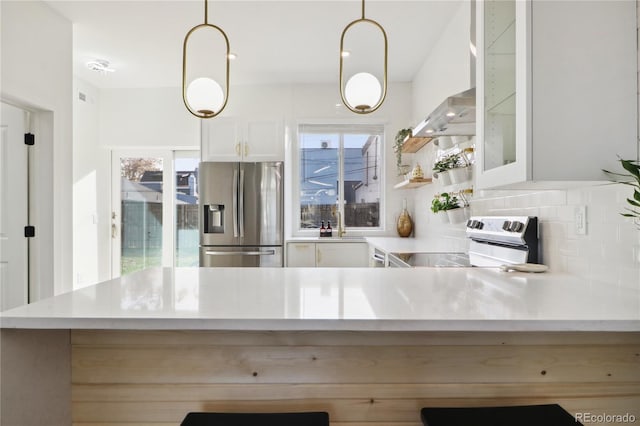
(517, 226)
(479, 224)
(470, 223)
(506, 225)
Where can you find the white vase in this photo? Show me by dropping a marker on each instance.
(459, 174)
(443, 177)
(458, 215)
(444, 217)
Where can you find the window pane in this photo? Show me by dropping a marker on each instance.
(186, 211)
(361, 180)
(319, 169)
(141, 201)
(351, 187)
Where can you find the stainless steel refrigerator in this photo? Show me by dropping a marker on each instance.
(241, 214)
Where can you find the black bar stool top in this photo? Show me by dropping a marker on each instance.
(522, 415)
(316, 418)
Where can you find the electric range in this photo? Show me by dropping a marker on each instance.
(494, 241)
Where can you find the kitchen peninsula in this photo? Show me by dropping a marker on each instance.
(369, 345)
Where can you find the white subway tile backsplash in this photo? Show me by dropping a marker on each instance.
(610, 250)
(629, 277)
(628, 233)
(602, 231)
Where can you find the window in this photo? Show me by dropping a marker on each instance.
(339, 171)
(187, 242)
(155, 216)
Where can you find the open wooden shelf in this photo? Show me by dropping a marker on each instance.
(413, 144)
(412, 183)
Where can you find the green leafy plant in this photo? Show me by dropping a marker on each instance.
(399, 141)
(632, 179)
(446, 163)
(444, 202)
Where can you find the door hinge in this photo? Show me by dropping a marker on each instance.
(29, 139)
(29, 231)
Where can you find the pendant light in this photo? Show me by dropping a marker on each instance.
(363, 92)
(203, 96)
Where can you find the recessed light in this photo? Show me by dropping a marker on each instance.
(232, 56)
(451, 114)
(345, 53)
(429, 130)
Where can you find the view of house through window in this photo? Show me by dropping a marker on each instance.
(141, 212)
(340, 175)
(187, 234)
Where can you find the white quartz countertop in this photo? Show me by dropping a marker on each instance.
(387, 299)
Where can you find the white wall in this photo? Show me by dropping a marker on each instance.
(115, 119)
(147, 118)
(91, 188)
(37, 75)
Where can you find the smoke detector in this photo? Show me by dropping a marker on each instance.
(100, 65)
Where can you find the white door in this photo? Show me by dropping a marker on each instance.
(14, 260)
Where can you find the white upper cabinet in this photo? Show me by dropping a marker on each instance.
(233, 139)
(556, 91)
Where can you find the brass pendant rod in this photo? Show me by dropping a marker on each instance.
(206, 12)
(362, 9)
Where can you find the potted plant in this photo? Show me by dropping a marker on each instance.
(442, 203)
(397, 147)
(632, 179)
(441, 169)
(460, 170)
(455, 209)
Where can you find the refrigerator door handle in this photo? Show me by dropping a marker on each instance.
(241, 209)
(235, 202)
(241, 253)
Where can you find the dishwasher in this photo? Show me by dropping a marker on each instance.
(378, 258)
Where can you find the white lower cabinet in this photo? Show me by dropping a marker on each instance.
(327, 254)
(301, 255)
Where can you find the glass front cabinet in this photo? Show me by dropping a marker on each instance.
(556, 90)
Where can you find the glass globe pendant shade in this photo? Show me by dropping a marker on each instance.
(205, 96)
(363, 91)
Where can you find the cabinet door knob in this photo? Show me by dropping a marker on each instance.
(238, 149)
(246, 149)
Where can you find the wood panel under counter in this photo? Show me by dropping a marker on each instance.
(369, 346)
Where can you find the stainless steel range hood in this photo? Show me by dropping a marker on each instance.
(456, 116)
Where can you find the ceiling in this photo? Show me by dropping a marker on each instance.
(276, 41)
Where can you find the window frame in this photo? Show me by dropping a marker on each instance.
(337, 127)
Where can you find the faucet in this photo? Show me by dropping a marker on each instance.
(341, 230)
